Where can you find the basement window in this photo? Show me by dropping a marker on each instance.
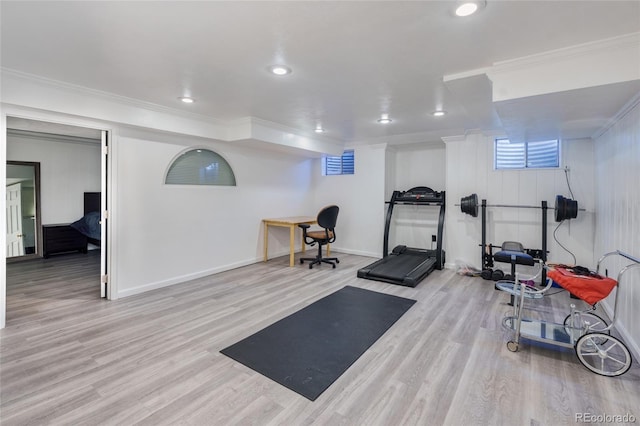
(526, 155)
(200, 167)
(339, 165)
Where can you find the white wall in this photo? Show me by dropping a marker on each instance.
(617, 190)
(420, 165)
(169, 233)
(361, 200)
(470, 170)
(416, 165)
(379, 170)
(67, 170)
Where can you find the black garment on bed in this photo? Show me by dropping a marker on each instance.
(308, 350)
(88, 225)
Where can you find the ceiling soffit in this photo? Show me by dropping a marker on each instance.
(565, 93)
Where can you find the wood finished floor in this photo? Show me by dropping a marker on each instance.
(68, 357)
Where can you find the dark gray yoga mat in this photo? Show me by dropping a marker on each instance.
(308, 350)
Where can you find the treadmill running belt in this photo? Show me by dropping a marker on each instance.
(398, 266)
(408, 268)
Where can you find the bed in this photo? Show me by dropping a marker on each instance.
(89, 223)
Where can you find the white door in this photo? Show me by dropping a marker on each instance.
(15, 240)
(105, 285)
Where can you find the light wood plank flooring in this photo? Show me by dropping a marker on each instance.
(68, 357)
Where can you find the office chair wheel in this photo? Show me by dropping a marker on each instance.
(334, 266)
(337, 261)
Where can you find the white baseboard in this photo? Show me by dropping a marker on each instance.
(355, 252)
(187, 277)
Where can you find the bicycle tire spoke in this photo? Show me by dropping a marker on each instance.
(616, 360)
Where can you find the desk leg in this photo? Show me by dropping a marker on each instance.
(266, 241)
(292, 248)
(328, 250)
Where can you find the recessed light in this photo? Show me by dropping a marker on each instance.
(384, 119)
(438, 113)
(186, 99)
(279, 70)
(468, 7)
(319, 129)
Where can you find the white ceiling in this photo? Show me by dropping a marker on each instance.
(351, 60)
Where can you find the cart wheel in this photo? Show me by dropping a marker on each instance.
(603, 354)
(512, 346)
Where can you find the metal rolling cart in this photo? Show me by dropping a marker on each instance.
(584, 331)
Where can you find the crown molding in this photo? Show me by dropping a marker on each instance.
(627, 41)
(430, 137)
(628, 107)
(124, 100)
(466, 74)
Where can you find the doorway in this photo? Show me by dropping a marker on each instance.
(55, 194)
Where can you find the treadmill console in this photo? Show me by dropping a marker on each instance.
(419, 194)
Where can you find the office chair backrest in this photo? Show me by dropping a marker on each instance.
(328, 217)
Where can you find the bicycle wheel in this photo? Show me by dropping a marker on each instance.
(603, 354)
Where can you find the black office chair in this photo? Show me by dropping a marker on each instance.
(327, 219)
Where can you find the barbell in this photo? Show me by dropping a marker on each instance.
(565, 208)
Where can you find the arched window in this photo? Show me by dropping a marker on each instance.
(200, 167)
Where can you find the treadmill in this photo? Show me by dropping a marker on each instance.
(405, 265)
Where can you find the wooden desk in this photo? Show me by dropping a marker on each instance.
(286, 222)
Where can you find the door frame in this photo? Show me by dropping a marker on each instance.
(38, 224)
(8, 110)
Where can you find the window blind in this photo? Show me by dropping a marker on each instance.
(200, 167)
(542, 154)
(342, 165)
(531, 154)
